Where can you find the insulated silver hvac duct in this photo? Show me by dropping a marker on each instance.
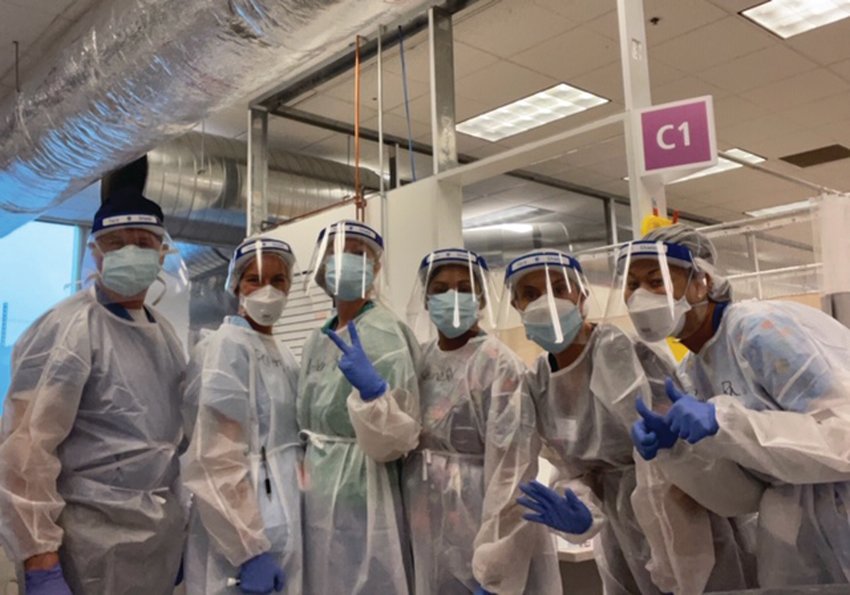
(200, 181)
(144, 72)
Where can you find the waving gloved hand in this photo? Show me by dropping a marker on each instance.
(651, 433)
(46, 582)
(356, 366)
(261, 574)
(690, 418)
(565, 513)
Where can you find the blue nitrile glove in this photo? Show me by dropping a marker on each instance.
(690, 418)
(565, 513)
(651, 433)
(46, 582)
(482, 591)
(356, 365)
(261, 574)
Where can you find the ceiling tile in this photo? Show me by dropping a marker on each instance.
(501, 83)
(798, 89)
(467, 60)
(685, 88)
(294, 136)
(606, 82)
(578, 11)
(745, 134)
(343, 88)
(822, 111)
(712, 44)
(759, 68)
(842, 69)
(731, 110)
(397, 126)
(796, 142)
(570, 54)
(677, 17)
(333, 108)
(825, 45)
(606, 25)
(509, 27)
(733, 7)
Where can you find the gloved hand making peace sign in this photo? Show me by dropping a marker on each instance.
(356, 367)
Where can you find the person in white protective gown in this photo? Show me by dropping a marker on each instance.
(358, 411)
(89, 474)
(585, 389)
(767, 387)
(243, 459)
(478, 443)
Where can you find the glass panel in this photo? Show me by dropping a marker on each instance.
(38, 260)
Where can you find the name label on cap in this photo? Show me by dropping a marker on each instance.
(124, 219)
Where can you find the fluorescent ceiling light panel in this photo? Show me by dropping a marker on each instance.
(724, 164)
(787, 18)
(779, 209)
(548, 105)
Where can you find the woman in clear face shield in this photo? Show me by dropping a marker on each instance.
(585, 389)
(358, 411)
(478, 443)
(767, 389)
(242, 463)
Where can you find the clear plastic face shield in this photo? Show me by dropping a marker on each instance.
(260, 276)
(655, 286)
(134, 261)
(453, 293)
(550, 293)
(346, 262)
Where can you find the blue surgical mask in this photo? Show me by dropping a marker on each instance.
(537, 320)
(355, 276)
(130, 270)
(442, 308)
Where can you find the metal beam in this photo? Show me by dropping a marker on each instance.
(441, 54)
(258, 169)
(644, 192)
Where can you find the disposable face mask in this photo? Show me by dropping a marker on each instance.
(537, 320)
(650, 313)
(130, 270)
(265, 305)
(443, 306)
(355, 276)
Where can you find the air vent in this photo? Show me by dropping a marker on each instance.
(818, 156)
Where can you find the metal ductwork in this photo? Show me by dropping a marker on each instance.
(499, 244)
(200, 181)
(145, 72)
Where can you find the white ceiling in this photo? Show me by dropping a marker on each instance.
(772, 96)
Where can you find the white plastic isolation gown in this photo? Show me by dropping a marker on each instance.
(88, 455)
(779, 376)
(584, 413)
(355, 540)
(478, 444)
(245, 386)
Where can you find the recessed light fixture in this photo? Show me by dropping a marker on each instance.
(724, 164)
(543, 107)
(787, 18)
(779, 209)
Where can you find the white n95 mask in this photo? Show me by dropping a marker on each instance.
(651, 315)
(265, 305)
